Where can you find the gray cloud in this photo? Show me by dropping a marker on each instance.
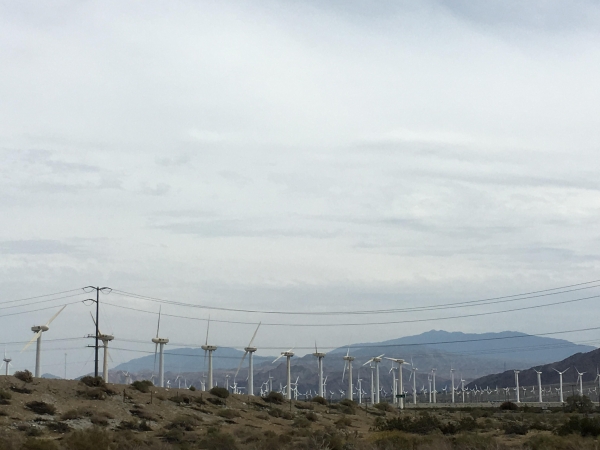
(36, 247)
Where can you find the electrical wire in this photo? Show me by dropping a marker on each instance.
(492, 300)
(40, 296)
(40, 301)
(391, 322)
(39, 309)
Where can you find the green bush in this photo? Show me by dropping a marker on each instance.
(41, 408)
(142, 385)
(424, 424)
(192, 388)
(24, 375)
(219, 392)
(319, 400)
(520, 428)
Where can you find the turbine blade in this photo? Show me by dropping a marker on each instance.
(240, 366)
(207, 328)
(254, 335)
(158, 327)
(371, 360)
(344, 372)
(278, 358)
(381, 356)
(35, 336)
(55, 315)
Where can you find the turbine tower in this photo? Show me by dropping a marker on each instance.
(376, 360)
(452, 377)
(580, 379)
(560, 376)
(434, 389)
(413, 374)
(7, 362)
(209, 349)
(159, 344)
(105, 338)
(539, 378)
(38, 330)
(399, 384)
(517, 384)
(249, 351)
(288, 356)
(348, 362)
(320, 356)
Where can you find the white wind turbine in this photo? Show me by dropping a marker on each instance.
(38, 330)
(348, 362)
(434, 389)
(210, 349)
(517, 384)
(462, 382)
(105, 338)
(597, 378)
(288, 355)
(7, 362)
(400, 383)
(539, 379)
(413, 375)
(320, 356)
(159, 345)
(249, 351)
(376, 360)
(580, 380)
(452, 377)
(560, 376)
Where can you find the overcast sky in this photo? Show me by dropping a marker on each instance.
(307, 156)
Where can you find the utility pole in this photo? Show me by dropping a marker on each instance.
(106, 290)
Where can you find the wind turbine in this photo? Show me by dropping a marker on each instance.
(348, 362)
(413, 375)
(539, 379)
(452, 377)
(400, 384)
(7, 362)
(159, 344)
(376, 360)
(580, 379)
(249, 350)
(288, 355)
(517, 384)
(320, 356)
(560, 374)
(210, 349)
(105, 338)
(38, 330)
(462, 382)
(434, 389)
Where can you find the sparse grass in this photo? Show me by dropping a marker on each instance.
(39, 444)
(184, 422)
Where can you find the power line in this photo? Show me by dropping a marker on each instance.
(41, 301)
(40, 296)
(39, 309)
(492, 300)
(392, 322)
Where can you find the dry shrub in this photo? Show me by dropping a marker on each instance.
(41, 408)
(215, 401)
(93, 381)
(228, 413)
(312, 416)
(216, 440)
(91, 439)
(20, 390)
(274, 397)
(319, 400)
(343, 422)
(24, 375)
(384, 406)
(187, 423)
(142, 414)
(58, 427)
(301, 422)
(219, 392)
(142, 385)
(304, 405)
(40, 444)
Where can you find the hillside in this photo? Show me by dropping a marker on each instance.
(584, 362)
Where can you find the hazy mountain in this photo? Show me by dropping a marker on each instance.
(583, 362)
(51, 376)
(472, 355)
(179, 360)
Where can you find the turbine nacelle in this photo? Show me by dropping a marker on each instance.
(250, 349)
(208, 348)
(157, 340)
(39, 328)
